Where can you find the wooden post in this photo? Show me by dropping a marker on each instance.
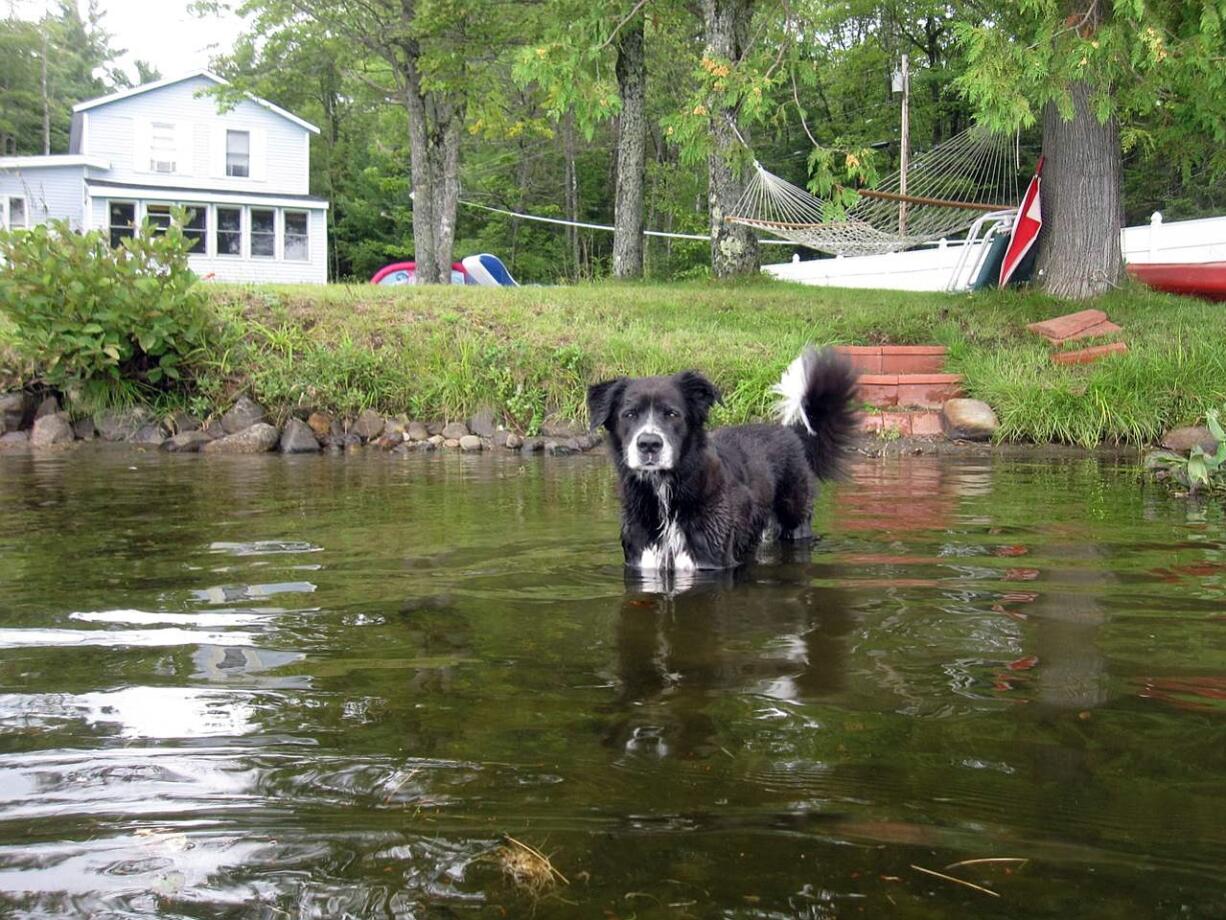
(904, 144)
(46, 99)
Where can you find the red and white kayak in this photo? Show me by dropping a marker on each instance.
(1195, 279)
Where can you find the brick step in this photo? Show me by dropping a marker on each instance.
(1088, 355)
(919, 391)
(1080, 325)
(895, 359)
(913, 423)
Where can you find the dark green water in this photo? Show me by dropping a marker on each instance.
(326, 687)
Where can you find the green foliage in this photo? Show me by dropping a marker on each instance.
(104, 325)
(1198, 471)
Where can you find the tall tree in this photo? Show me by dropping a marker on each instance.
(426, 56)
(734, 247)
(1105, 76)
(631, 150)
(568, 63)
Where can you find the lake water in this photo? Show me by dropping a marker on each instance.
(330, 687)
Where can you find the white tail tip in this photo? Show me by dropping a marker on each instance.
(790, 389)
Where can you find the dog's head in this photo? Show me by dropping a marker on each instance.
(652, 421)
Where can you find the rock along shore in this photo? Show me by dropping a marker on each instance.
(248, 428)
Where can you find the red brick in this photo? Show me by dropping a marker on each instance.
(864, 358)
(897, 421)
(1105, 328)
(912, 363)
(870, 422)
(926, 424)
(1088, 355)
(1063, 327)
(928, 391)
(878, 389)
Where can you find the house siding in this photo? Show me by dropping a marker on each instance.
(113, 130)
(51, 192)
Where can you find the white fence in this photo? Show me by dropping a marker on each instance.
(930, 269)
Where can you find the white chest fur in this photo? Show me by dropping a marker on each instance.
(670, 550)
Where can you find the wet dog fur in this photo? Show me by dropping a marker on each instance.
(698, 499)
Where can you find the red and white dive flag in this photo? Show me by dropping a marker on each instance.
(1025, 227)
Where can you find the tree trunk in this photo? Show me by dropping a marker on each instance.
(1083, 211)
(435, 125)
(734, 248)
(631, 153)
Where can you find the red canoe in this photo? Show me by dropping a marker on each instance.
(1196, 279)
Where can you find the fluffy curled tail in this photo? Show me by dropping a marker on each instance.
(817, 401)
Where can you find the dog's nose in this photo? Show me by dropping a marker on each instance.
(650, 443)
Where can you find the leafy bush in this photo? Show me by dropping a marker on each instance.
(103, 325)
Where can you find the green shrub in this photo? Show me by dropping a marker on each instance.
(103, 325)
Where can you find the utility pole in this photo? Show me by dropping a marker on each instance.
(904, 143)
(46, 100)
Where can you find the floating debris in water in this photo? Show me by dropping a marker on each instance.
(527, 867)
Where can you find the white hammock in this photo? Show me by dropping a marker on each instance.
(944, 191)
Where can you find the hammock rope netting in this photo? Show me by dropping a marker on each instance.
(947, 188)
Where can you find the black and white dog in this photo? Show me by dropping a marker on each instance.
(698, 500)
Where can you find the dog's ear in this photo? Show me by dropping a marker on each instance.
(602, 400)
(699, 392)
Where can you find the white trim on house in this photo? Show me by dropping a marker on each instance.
(100, 188)
(59, 159)
(170, 81)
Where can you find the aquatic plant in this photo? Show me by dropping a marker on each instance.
(1199, 470)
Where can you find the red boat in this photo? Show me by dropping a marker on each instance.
(1195, 279)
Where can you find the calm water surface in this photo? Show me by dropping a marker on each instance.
(328, 687)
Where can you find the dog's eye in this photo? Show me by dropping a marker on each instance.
(630, 413)
(671, 413)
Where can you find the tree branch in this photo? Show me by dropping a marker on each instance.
(621, 25)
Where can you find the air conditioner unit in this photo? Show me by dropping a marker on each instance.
(163, 166)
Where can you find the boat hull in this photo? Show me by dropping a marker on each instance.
(1195, 279)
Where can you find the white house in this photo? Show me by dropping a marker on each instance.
(242, 174)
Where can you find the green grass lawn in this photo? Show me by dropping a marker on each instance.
(530, 352)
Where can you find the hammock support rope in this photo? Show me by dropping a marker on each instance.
(946, 186)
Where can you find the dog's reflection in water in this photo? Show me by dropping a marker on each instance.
(688, 640)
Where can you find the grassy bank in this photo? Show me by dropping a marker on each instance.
(531, 351)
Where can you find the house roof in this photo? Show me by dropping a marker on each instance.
(63, 159)
(207, 75)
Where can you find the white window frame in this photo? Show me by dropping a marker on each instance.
(248, 133)
(136, 215)
(6, 215)
(204, 231)
(173, 151)
(242, 231)
(306, 236)
(276, 249)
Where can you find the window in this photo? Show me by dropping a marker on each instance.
(159, 216)
(162, 147)
(263, 234)
(238, 153)
(17, 218)
(297, 240)
(229, 231)
(195, 227)
(122, 221)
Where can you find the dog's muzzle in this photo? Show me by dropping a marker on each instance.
(649, 450)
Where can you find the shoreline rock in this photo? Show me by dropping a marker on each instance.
(258, 438)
